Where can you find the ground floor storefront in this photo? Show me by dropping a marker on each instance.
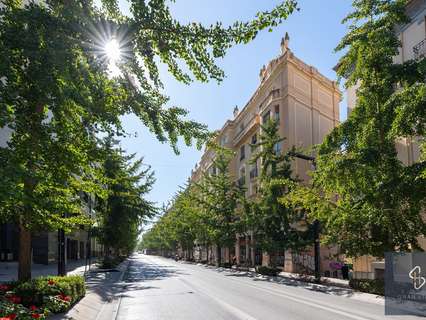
(247, 253)
(44, 245)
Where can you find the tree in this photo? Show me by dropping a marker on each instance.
(159, 237)
(206, 211)
(179, 225)
(57, 95)
(219, 198)
(125, 207)
(367, 200)
(184, 221)
(272, 221)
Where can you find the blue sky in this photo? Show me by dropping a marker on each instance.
(314, 32)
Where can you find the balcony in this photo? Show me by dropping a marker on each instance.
(251, 123)
(273, 95)
(419, 49)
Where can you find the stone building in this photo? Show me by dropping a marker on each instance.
(306, 105)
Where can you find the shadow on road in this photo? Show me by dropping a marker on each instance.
(140, 271)
(326, 289)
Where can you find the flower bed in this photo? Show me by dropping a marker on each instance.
(374, 286)
(39, 297)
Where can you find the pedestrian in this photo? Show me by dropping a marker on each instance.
(345, 271)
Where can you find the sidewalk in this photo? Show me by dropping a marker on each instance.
(9, 270)
(102, 296)
(294, 276)
(324, 280)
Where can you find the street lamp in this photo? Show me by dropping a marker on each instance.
(89, 239)
(61, 253)
(316, 223)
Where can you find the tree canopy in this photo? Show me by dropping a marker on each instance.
(368, 200)
(220, 200)
(125, 208)
(58, 96)
(270, 218)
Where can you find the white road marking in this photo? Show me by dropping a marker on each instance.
(233, 310)
(307, 301)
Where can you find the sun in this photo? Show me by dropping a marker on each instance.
(112, 51)
(111, 45)
(113, 55)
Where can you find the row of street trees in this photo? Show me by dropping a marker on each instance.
(125, 208)
(367, 200)
(57, 98)
(213, 210)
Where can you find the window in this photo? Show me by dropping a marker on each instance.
(266, 117)
(254, 172)
(254, 139)
(277, 113)
(242, 179)
(211, 170)
(277, 148)
(223, 140)
(242, 152)
(241, 128)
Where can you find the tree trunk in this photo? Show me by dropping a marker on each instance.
(24, 257)
(218, 255)
(207, 253)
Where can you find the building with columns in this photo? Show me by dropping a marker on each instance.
(306, 105)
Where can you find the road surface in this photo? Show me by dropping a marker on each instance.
(158, 288)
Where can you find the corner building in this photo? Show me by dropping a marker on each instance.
(306, 105)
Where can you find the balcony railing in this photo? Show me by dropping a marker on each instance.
(254, 119)
(274, 94)
(419, 49)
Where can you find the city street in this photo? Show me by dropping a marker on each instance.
(159, 288)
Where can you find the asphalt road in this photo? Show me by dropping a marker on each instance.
(158, 288)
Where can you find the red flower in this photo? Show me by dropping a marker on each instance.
(11, 316)
(50, 282)
(35, 315)
(4, 287)
(33, 308)
(64, 297)
(14, 299)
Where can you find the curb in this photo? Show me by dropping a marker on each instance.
(288, 276)
(92, 305)
(120, 296)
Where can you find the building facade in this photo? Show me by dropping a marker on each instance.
(412, 37)
(306, 105)
(45, 243)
